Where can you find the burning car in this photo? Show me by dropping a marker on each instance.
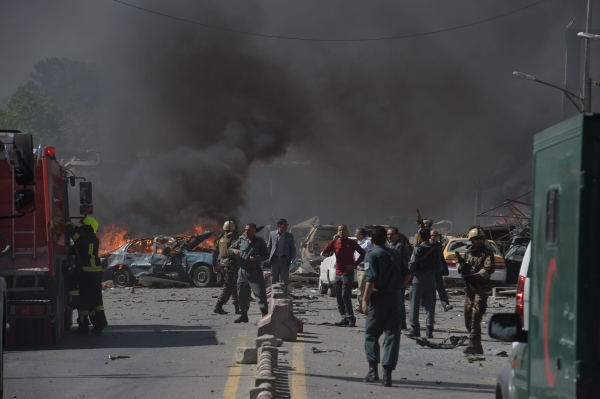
(162, 260)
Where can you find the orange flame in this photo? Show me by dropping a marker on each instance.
(118, 234)
(113, 237)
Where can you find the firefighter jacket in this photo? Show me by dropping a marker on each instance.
(85, 248)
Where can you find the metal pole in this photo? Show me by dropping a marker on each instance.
(587, 87)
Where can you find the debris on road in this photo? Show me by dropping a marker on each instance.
(115, 357)
(454, 342)
(314, 349)
(472, 358)
(502, 354)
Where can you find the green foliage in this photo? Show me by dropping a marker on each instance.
(59, 105)
(33, 112)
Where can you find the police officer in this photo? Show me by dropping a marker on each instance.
(89, 271)
(424, 263)
(480, 265)
(229, 267)
(250, 250)
(386, 274)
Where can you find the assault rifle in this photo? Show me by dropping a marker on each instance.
(424, 223)
(464, 269)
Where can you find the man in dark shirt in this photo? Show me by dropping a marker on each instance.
(387, 274)
(250, 250)
(396, 242)
(424, 264)
(345, 264)
(439, 277)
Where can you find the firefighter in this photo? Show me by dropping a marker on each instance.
(228, 265)
(480, 264)
(88, 269)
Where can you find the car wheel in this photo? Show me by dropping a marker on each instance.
(123, 278)
(202, 276)
(322, 288)
(498, 392)
(332, 290)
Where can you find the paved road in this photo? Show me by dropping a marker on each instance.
(179, 349)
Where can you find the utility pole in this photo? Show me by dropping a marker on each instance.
(587, 81)
(478, 193)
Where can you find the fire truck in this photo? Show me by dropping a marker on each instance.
(34, 209)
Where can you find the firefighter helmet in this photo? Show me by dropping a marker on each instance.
(229, 226)
(475, 232)
(90, 221)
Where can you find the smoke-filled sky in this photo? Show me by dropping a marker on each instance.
(384, 125)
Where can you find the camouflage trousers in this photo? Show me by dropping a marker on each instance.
(229, 286)
(474, 310)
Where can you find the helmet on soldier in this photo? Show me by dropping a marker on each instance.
(229, 226)
(476, 232)
(90, 221)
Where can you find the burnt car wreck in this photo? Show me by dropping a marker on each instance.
(161, 260)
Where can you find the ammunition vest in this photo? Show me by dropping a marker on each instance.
(223, 246)
(429, 258)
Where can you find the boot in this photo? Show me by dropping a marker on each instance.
(372, 375)
(237, 308)
(470, 349)
(87, 321)
(412, 334)
(99, 322)
(478, 347)
(242, 319)
(219, 308)
(264, 312)
(387, 377)
(429, 333)
(82, 329)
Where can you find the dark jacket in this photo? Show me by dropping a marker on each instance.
(86, 249)
(425, 259)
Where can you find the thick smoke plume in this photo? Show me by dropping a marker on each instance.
(193, 116)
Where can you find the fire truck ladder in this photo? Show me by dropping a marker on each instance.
(22, 251)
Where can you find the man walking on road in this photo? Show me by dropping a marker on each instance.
(424, 264)
(282, 254)
(250, 250)
(344, 249)
(365, 243)
(439, 277)
(386, 274)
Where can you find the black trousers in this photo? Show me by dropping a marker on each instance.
(343, 293)
(90, 297)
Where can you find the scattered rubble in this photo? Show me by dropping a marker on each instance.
(115, 357)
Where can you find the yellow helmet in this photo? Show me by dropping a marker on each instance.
(229, 226)
(90, 221)
(476, 232)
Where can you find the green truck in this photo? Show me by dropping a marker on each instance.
(561, 351)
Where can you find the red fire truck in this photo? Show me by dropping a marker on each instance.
(34, 263)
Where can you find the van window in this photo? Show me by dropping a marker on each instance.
(552, 217)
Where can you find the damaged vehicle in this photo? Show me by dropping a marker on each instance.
(161, 260)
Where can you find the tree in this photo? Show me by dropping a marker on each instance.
(33, 112)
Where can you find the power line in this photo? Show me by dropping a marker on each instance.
(329, 40)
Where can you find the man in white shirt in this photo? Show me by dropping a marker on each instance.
(365, 243)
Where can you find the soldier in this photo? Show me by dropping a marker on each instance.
(250, 250)
(386, 274)
(424, 264)
(479, 264)
(229, 268)
(89, 271)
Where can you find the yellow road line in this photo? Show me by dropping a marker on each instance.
(235, 373)
(299, 376)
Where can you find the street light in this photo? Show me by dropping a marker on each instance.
(589, 36)
(571, 96)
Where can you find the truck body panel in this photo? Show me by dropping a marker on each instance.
(35, 266)
(563, 320)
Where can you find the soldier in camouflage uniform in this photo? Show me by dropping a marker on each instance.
(228, 265)
(480, 265)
